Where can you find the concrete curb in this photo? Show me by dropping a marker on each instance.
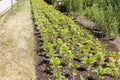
(6, 9)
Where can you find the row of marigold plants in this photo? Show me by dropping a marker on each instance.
(63, 41)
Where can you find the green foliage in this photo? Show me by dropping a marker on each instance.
(101, 72)
(82, 78)
(55, 62)
(74, 6)
(105, 13)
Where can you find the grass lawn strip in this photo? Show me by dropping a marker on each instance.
(17, 45)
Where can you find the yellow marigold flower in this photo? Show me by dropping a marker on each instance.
(78, 33)
(119, 53)
(64, 45)
(78, 44)
(44, 30)
(90, 54)
(69, 51)
(74, 29)
(59, 39)
(97, 39)
(99, 49)
(111, 59)
(49, 23)
(97, 44)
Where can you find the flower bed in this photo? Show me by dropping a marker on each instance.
(72, 52)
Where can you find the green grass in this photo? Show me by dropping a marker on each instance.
(17, 43)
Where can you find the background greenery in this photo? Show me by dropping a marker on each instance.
(106, 13)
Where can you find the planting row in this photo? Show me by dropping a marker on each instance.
(65, 42)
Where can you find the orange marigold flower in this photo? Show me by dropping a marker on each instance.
(99, 49)
(111, 59)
